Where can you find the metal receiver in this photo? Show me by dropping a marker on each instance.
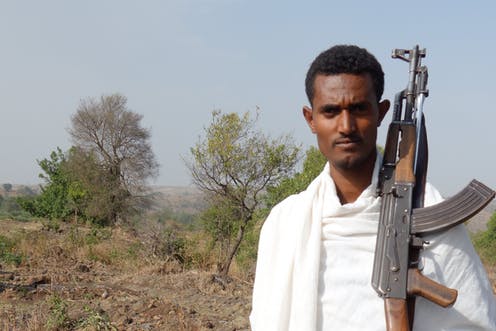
(403, 220)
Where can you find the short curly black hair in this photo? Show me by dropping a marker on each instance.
(345, 59)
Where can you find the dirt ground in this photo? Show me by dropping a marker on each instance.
(61, 289)
(67, 293)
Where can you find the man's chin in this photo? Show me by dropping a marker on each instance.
(352, 162)
(346, 164)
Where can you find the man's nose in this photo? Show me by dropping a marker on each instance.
(347, 123)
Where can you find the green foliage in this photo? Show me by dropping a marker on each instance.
(76, 187)
(172, 244)
(167, 214)
(10, 208)
(8, 252)
(133, 250)
(94, 194)
(97, 235)
(237, 161)
(233, 166)
(95, 319)
(485, 242)
(53, 202)
(312, 166)
(58, 319)
(102, 178)
(247, 254)
(221, 220)
(51, 224)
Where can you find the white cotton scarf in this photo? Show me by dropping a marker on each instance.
(292, 257)
(286, 289)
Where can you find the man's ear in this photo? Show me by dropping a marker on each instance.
(383, 109)
(308, 114)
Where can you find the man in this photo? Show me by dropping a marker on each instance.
(316, 248)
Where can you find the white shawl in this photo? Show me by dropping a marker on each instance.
(286, 289)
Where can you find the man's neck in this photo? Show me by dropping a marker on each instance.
(350, 183)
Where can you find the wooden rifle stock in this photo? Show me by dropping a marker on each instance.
(396, 310)
(396, 314)
(403, 219)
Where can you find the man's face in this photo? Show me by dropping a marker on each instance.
(345, 117)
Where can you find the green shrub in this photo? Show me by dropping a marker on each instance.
(57, 316)
(247, 254)
(8, 252)
(51, 224)
(97, 235)
(485, 242)
(95, 319)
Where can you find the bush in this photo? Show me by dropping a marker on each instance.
(10, 208)
(485, 242)
(96, 319)
(8, 252)
(57, 317)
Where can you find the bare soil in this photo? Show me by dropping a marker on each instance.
(100, 296)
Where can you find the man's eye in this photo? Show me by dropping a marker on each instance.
(359, 108)
(331, 110)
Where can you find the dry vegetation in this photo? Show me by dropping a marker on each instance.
(80, 278)
(72, 277)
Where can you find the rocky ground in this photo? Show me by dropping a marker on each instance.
(65, 292)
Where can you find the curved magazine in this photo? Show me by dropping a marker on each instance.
(457, 209)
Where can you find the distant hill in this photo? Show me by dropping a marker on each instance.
(14, 190)
(187, 199)
(479, 222)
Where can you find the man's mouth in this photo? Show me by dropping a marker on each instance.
(347, 142)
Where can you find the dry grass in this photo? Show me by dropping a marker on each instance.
(114, 279)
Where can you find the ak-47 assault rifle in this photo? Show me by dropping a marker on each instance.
(403, 219)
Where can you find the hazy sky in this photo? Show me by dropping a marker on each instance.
(177, 60)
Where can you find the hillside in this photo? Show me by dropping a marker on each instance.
(479, 222)
(79, 278)
(187, 199)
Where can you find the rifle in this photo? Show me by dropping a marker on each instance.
(403, 219)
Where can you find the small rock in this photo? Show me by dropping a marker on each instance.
(83, 268)
(5, 275)
(38, 280)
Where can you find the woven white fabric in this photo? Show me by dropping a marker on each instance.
(315, 263)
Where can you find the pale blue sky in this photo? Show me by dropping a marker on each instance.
(176, 61)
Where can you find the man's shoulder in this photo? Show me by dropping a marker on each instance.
(293, 200)
(290, 210)
(295, 208)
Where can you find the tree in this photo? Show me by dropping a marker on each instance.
(233, 165)
(312, 166)
(7, 187)
(53, 201)
(112, 135)
(73, 187)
